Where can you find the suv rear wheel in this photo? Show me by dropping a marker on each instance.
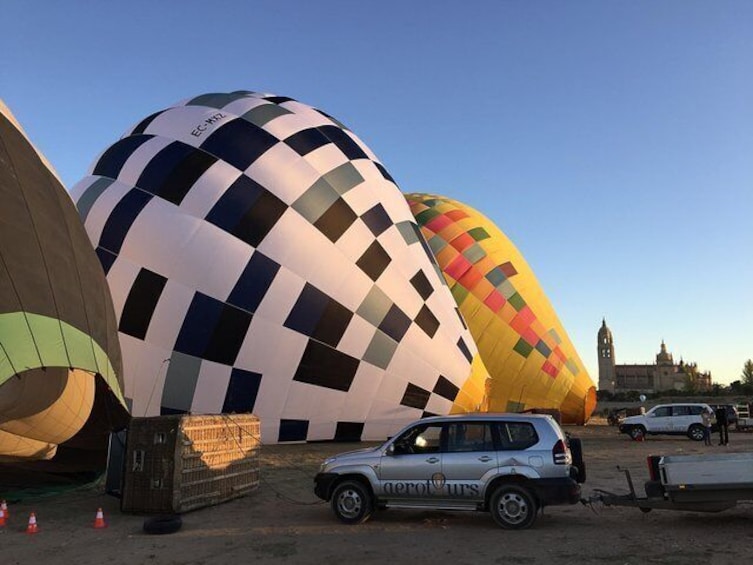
(696, 432)
(352, 502)
(513, 507)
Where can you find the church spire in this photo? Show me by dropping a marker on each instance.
(605, 348)
(663, 357)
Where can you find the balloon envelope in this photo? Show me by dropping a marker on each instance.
(529, 356)
(262, 259)
(60, 364)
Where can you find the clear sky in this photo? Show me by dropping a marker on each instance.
(612, 141)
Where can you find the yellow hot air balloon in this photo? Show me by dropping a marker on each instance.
(530, 358)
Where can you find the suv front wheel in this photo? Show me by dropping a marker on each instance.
(513, 507)
(352, 502)
(637, 433)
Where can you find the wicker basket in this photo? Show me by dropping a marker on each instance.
(179, 463)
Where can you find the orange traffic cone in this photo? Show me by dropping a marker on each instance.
(2, 517)
(4, 508)
(99, 521)
(32, 528)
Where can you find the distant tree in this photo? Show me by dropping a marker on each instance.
(691, 378)
(747, 376)
(740, 388)
(736, 387)
(632, 396)
(690, 384)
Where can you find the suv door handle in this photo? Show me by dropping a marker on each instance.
(433, 460)
(485, 459)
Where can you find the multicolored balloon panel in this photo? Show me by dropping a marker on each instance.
(262, 259)
(60, 364)
(529, 356)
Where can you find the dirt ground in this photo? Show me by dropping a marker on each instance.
(283, 522)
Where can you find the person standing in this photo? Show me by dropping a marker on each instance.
(721, 421)
(706, 419)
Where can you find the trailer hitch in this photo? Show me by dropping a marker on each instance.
(608, 498)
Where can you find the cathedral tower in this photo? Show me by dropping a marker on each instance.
(605, 347)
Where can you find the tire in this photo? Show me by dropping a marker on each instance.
(160, 525)
(638, 433)
(513, 507)
(696, 432)
(352, 502)
(581, 477)
(654, 489)
(576, 450)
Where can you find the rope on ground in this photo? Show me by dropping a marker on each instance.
(294, 466)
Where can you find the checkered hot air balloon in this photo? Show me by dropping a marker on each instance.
(261, 259)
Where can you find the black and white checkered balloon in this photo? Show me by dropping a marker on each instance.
(262, 260)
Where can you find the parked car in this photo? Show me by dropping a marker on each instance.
(731, 409)
(510, 465)
(616, 415)
(744, 421)
(668, 419)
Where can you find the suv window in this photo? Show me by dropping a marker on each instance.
(681, 411)
(697, 410)
(662, 412)
(517, 435)
(420, 439)
(469, 437)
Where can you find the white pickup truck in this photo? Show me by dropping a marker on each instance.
(701, 483)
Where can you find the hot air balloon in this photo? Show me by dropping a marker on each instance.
(531, 360)
(60, 364)
(261, 259)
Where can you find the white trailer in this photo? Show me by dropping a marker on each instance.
(744, 419)
(700, 483)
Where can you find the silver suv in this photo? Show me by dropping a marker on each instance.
(508, 464)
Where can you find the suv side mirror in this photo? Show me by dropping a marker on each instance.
(391, 449)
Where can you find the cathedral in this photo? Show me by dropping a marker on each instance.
(665, 374)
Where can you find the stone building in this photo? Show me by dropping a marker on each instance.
(664, 374)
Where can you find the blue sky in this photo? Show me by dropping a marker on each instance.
(612, 141)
